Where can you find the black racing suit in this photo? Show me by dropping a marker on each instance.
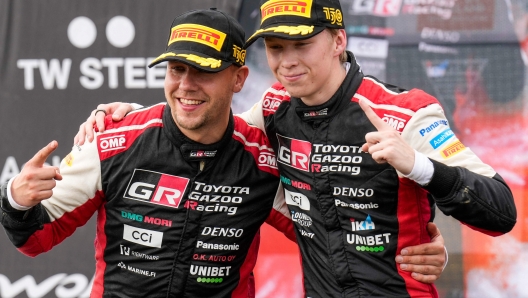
(175, 218)
(353, 215)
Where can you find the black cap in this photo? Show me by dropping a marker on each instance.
(297, 19)
(209, 40)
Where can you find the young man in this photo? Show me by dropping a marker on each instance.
(321, 113)
(178, 187)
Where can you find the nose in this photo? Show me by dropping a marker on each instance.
(188, 80)
(289, 58)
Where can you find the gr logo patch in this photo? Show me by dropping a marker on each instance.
(156, 188)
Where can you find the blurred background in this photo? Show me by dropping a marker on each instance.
(59, 59)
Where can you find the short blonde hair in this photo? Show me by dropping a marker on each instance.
(334, 32)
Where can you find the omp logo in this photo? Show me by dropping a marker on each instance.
(294, 153)
(66, 286)
(112, 143)
(273, 8)
(395, 122)
(156, 188)
(142, 236)
(267, 159)
(297, 199)
(198, 33)
(270, 103)
(363, 225)
(453, 149)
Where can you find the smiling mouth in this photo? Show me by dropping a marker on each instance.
(190, 101)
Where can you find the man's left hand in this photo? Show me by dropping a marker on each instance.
(425, 261)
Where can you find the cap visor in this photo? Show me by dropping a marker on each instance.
(285, 31)
(196, 60)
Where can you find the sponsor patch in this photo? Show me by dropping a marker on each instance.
(297, 199)
(441, 138)
(273, 8)
(452, 149)
(142, 236)
(68, 160)
(198, 33)
(156, 188)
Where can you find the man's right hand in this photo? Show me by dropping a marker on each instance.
(36, 180)
(86, 130)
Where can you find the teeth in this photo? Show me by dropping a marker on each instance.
(190, 102)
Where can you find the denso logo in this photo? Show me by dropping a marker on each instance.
(156, 188)
(222, 232)
(112, 143)
(294, 153)
(297, 199)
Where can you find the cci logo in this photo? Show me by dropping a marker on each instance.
(142, 236)
(297, 199)
(294, 153)
(112, 143)
(156, 188)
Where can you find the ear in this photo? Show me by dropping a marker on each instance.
(340, 41)
(241, 74)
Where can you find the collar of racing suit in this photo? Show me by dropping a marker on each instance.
(191, 150)
(336, 103)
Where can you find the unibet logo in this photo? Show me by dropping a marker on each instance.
(294, 153)
(198, 33)
(273, 8)
(156, 188)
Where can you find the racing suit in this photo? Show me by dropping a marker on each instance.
(352, 215)
(175, 218)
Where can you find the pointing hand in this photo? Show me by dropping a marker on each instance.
(36, 180)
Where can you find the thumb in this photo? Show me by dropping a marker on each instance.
(433, 231)
(40, 158)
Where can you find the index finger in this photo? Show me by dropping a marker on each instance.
(39, 159)
(373, 117)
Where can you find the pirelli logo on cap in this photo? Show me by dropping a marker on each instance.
(198, 33)
(452, 149)
(273, 8)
